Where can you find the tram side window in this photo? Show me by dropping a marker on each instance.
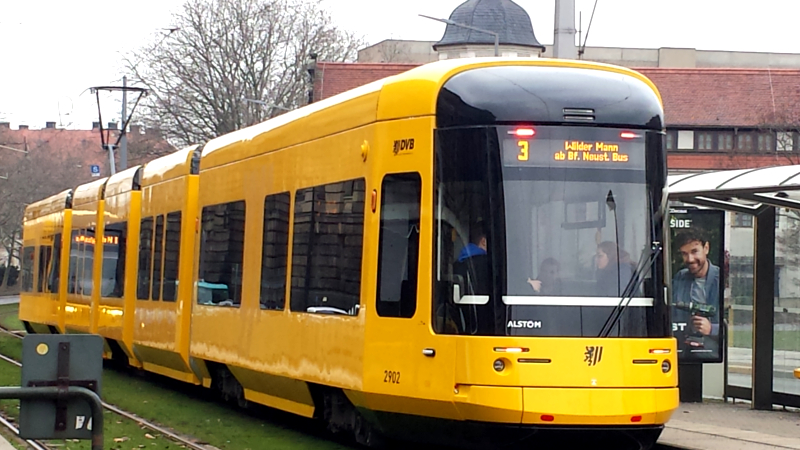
(75, 262)
(55, 268)
(158, 250)
(327, 247)
(462, 233)
(28, 254)
(145, 258)
(221, 255)
(275, 250)
(43, 264)
(115, 239)
(85, 286)
(398, 254)
(172, 253)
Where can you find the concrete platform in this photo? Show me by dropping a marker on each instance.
(715, 425)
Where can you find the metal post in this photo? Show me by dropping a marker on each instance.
(690, 382)
(123, 145)
(496, 44)
(111, 158)
(763, 308)
(51, 393)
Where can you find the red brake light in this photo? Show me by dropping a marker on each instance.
(628, 135)
(524, 132)
(636, 419)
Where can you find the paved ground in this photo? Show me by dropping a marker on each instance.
(740, 361)
(8, 299)
(715, 425)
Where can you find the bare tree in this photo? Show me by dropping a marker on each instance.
(784, 127)
(221, 52)
(392, 51)
(27, 178)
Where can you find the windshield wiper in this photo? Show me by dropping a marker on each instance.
(641, 267)
(636, 280)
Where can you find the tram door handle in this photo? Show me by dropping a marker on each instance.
(429, 352)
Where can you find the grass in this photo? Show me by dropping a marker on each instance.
(187, 409)
(784, 340)
(9, 319)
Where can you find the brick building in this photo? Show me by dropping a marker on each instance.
(81, 147)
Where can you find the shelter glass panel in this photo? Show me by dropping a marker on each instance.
(739, 302)
(786, 337)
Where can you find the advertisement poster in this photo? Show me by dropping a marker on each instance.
(697, 250)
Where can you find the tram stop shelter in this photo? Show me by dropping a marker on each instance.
(762, 194)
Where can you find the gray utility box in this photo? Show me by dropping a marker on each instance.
(59, 361)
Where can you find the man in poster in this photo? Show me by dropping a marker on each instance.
(696, 298)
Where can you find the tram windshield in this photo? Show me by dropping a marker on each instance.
(542, 231)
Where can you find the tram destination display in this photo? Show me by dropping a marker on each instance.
(697, 283)
(573, 148)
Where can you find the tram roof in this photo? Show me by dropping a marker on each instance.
(409, 94)
(54, 203)
(174, 165)
(122, 182)
(742, 190)
(89, 192)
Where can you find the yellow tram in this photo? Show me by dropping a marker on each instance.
(471, 247)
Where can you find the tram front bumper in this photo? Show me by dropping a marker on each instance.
(567, 406)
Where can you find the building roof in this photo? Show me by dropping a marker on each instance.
(728, 97)
(333, 78)
(692, 97)
(81, 148)
(504, 17)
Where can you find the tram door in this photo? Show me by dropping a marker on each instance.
(416, 365)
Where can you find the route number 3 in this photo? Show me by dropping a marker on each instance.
(523, 151)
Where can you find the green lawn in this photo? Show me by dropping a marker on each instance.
(9, 319)
(784, 340)
(175, 405)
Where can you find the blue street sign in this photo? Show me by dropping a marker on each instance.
(95, 170)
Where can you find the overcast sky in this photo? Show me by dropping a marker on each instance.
(53, 50)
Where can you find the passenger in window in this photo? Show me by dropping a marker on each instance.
(613, 269)
(472, 265)
(549, 280)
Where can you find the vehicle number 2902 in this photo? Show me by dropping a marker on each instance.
(390, 376)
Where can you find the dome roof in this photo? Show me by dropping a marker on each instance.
(504, 17)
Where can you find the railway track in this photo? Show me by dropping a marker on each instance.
(37, 445)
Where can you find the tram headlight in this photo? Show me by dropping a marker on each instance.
(666, 366)
(499, 365)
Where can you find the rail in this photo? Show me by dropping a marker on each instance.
(52, 393)
(142, 422)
